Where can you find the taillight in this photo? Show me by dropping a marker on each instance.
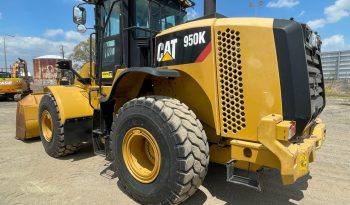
(286, 130)
(292, 129)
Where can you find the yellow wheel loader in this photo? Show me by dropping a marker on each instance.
(15, 84)
(169, 95)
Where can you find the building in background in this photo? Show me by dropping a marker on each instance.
(336, 65)
(45, 70)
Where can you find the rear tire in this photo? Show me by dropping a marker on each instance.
(52, 134)
(10, 97)
(183, 146)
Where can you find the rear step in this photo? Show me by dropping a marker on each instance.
(242, 177)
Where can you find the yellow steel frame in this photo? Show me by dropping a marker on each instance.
(263, 142)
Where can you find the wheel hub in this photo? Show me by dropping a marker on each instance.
(141, 155)
(46, 125)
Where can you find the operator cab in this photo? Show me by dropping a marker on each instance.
(126, 29)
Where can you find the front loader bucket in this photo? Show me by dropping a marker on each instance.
(27, 116)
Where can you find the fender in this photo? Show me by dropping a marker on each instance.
(75, 112)
(72, 102)
(155, 72)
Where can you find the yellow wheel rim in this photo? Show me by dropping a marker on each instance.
(46, 125)
(141, 155)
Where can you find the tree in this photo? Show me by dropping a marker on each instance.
(81, 53)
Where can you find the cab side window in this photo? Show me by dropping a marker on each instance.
(110, 35)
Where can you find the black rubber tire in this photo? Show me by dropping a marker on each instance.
(10, 97)
(56, 147)
(183, 146)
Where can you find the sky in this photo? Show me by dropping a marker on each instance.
(41, 27)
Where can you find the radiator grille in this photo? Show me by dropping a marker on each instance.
(316, 83)
(230, 81)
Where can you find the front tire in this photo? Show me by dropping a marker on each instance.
(51, 129)
(177, 140)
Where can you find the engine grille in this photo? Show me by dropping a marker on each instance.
(316, 81)
(300, 69)
(230, 81)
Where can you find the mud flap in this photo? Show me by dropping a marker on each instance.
(78, 130)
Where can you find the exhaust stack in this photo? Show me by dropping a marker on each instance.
(209, 7)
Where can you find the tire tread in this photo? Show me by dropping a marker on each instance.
(62, 149)
(191, 144)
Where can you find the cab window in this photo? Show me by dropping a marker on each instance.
(157, 16)
(111, 33)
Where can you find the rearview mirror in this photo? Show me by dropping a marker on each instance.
(81, 28)
(79, 15)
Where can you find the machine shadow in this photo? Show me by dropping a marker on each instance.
(198, 198)
(5, 99)
(85, 150)
(109, 171)
(32, 140)
(273, 191)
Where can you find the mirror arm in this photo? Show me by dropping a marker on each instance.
(81, 4)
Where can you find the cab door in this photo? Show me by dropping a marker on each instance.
(111, 41)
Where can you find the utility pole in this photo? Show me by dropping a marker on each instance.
(4, 38)
(62, 51)
(5, 54)
(255, 5)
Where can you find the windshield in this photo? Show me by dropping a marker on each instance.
(158, 15)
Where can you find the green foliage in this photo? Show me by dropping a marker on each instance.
(338, 88)
(81, 53)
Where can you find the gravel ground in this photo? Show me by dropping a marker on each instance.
(29, 176)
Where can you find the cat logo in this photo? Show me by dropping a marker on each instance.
(167, 51)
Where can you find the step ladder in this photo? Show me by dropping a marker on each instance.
(101, 144)
(242, 177)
